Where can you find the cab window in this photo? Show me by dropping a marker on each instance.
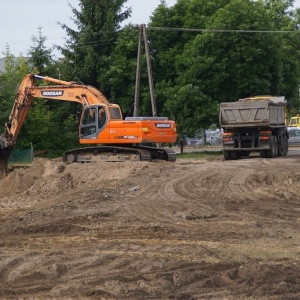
(115, 113)
(101, 117)
(88, 130)
(89, 116)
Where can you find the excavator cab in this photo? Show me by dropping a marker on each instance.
(93, 120)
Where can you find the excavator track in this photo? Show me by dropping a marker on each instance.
(160, 153)
(118, 153)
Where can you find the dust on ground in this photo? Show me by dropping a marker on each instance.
(193, 229)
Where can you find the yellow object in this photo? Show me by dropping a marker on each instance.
(295, 121)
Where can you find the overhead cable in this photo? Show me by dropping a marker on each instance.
(222, 30)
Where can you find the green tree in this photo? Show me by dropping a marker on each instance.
(50, 126)
(230, 58)
(122, 72)
(285, 18)
(46, 131)
(40, 57)
(170, 39)
(48, 122)
(168, 42)
(88, 49)
(15, 68)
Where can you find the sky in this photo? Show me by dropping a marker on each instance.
(20, 20)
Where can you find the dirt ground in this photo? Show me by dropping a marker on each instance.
(193, 229)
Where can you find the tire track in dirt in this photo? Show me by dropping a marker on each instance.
(168, 209)
(261, 191)
(217, 191)
(181, 200)
(166, 205)
(113, 256)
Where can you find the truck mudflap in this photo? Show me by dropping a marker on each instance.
(118, 153)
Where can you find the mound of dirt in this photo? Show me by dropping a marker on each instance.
(193, 229)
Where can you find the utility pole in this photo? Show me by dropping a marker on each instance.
(138, 74)
(144, 38)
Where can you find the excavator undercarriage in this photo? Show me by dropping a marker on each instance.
(118, 153)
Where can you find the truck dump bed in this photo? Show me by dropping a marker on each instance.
(253, 112)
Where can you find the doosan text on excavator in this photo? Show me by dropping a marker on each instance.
(102, 127)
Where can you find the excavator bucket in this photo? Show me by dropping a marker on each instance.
(4, 157)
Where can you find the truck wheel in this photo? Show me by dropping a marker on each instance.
(273, 144)
(282, 146)
(227, 155)
(286, 148)
(235, 155)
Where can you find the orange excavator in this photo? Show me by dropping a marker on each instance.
(102, 127)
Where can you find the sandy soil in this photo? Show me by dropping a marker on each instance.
(193, 229)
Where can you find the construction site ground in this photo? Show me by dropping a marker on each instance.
(193, 229)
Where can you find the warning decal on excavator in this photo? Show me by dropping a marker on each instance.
(52, 93)
(163, 125)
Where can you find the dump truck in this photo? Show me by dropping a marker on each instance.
(256, 124)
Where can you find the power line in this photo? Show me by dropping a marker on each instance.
(222, 30)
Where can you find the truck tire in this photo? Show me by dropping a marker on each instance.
(273, 147)
(282, 146)
(286, 148)
(227, 155)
